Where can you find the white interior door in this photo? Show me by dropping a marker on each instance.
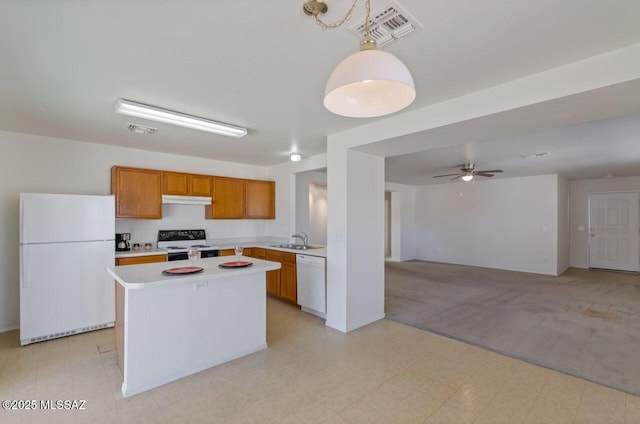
(613, 231)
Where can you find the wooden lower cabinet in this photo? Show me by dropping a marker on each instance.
(226, 252)
(136, 260)
(281, 283)
(259, 253)
(289, 278)
(273, 277)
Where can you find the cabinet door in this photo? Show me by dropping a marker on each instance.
(138, 192)
(260, 199)
(175, 183)
(199, 185)
(228, 199)
(274, 277)
(273, 283)
(226, 252)
(288, 282)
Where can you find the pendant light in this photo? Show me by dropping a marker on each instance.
(368, 83)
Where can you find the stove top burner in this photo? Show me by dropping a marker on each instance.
(178, 242)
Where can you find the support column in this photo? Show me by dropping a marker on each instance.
(355, 238)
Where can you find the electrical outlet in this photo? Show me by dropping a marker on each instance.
(200, 285)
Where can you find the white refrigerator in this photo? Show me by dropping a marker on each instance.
(66, 244)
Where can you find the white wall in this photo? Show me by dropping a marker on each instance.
(507, 223)
(564, 225)
(318, 207)
(43, 164)
(285, 176)
(302, 211)
(580, 211)
(403, 226)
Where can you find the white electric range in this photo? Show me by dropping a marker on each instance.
(178, 242)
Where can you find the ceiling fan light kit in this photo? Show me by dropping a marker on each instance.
(467, 173)
(369, 83)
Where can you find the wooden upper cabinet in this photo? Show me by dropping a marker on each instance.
(200, 185)
(227, 200)
(174, 183)
(260, 199)
(138, 192)
(181, 184)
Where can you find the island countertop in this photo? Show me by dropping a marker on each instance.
(150, 275)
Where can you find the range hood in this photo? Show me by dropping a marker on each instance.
(186, 200)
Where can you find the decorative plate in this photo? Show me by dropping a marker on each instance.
(182, 270)
(235, 264)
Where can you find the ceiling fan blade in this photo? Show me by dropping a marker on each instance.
(491, 171)
(445, 175)
(455, 178)
(483, 174)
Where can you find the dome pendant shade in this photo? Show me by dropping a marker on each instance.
(369, 83)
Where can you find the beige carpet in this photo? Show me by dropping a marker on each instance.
(585, 323)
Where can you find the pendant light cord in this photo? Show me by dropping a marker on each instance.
(346, 17)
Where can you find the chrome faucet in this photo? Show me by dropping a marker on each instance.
(302, 236)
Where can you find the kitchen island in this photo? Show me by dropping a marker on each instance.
(171, 326)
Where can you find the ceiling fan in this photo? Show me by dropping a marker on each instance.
(467, 173)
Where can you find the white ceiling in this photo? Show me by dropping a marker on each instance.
(263, 65)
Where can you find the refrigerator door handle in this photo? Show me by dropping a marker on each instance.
(23, 273)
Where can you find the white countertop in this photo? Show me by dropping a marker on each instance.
(322, 252)
(150, 275)
(271, 246)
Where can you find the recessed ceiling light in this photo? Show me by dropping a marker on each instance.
(296, 157)
(139, 110)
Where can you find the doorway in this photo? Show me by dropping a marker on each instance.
(387, 224)
(613, 231)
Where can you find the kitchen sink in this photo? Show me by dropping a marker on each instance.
(296, 246)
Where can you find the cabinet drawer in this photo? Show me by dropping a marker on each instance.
(136, 260)
(274, 255)
(288, 257)
(259, 253)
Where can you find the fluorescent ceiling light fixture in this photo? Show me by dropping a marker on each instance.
(296, 157)
(139, 110)
(467, 177)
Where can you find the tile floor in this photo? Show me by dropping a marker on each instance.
(386, 372)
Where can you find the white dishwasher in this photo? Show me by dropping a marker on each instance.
(312, 287)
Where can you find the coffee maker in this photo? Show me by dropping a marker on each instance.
(122, 242)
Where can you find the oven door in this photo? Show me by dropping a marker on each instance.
(177, 256)
(209, 253)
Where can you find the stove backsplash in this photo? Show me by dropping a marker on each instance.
(189, 217)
